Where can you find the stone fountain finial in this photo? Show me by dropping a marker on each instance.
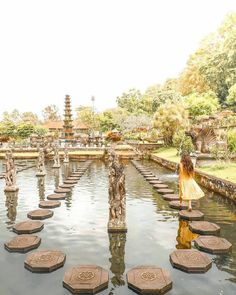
(117, 198)
(56, 157)
(10, 175)
(40, 165)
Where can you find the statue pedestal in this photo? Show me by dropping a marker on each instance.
(66, 161)
(115, 227)
(12, 188)
(40, 173)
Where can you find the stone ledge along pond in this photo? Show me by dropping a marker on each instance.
(79, 229)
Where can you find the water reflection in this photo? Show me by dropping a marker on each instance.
(68, 200)
(117, 259)
(184, 236)
(11, 205)
(66, 170)
(56, 173)
(41, 187)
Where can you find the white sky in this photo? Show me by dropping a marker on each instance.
(49, 48)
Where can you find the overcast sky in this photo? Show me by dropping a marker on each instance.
(49, 48)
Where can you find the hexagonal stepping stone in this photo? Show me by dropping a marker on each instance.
(23, 243)
(191, 215)
(149, 280)
(49, 204)
(152, 178)
(66, 185)
(171, 197)
(73, 178)
(190, 260)
(70, 182)
(86, 279)
(40, 214)
(45, 261)
(164, 191)
(28, 227)
(148, 175)
(213, 244)
(56, 197)
(204, 228)
(155, 181)
(177, 205)
(62, 190)
(159, 185)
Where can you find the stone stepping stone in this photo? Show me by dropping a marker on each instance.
(69, 181)
(62, 190)
(40, 214)
(148, 175)
(45, 261)
(204, 228)
(28, 227)
(171, 197)
(66, 185)
(49, 204)
(213, 244)
(190, 260)
(152, 178)
(56, 197)
(77, 174)
(177, 205)
(191, 215)
(165, 191)
(73, 178)
(23, 243)
(155, 181)
(149, 280)
(159, 185)
(86, 279)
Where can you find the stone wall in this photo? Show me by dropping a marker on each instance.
(218, 185)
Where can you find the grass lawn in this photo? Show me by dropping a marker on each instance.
(222, 170)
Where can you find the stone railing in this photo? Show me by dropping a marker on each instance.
(218, 185)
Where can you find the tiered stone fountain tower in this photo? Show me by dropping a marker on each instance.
(68, 121)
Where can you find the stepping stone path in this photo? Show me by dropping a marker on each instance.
(28, 227)
(40, 214)
(152, 178)
(191, 215)
(149, 280)
(160, 186)
(171, 197)
(178, 205)
(56, 197)
(66, 185)
(204, 228)
(213, 244)
(190, 260)
(86, 279)
(23, 243)
(155, 182)
(49, 204)
(45, 261)
(69, 182)
(62, 190)
(164, 191)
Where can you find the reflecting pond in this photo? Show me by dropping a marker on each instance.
(79, 228)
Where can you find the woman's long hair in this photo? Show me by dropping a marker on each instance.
(187, 164)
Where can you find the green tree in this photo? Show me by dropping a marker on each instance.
(13, 116)
(112, 119)
(24, 130)
(85, 114)
(202, 104)
(231, 98)
(30, 117)
(169, 118)
(130, 101)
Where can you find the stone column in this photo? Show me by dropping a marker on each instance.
(117, 198)
(10, 175)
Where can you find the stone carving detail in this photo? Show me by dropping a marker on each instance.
(66, 155)
(40, 165)
(148, 276)
(86, 275)
(117, 198)
(10, 175)
(56, 158)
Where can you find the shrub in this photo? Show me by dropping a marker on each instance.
(182, 142)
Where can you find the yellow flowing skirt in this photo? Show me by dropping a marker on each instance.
(190, 190)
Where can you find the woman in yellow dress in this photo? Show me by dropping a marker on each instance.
(188, 188)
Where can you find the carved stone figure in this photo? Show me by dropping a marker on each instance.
(66, 155)
(10, 175)
(117, 199)
(56, 158)
(40, 165)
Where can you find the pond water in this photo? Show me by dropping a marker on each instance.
(79, 228)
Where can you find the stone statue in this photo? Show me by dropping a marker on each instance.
(66, 155)
(56, 158)
(40, 165)
(10, 175)
(117, 199)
